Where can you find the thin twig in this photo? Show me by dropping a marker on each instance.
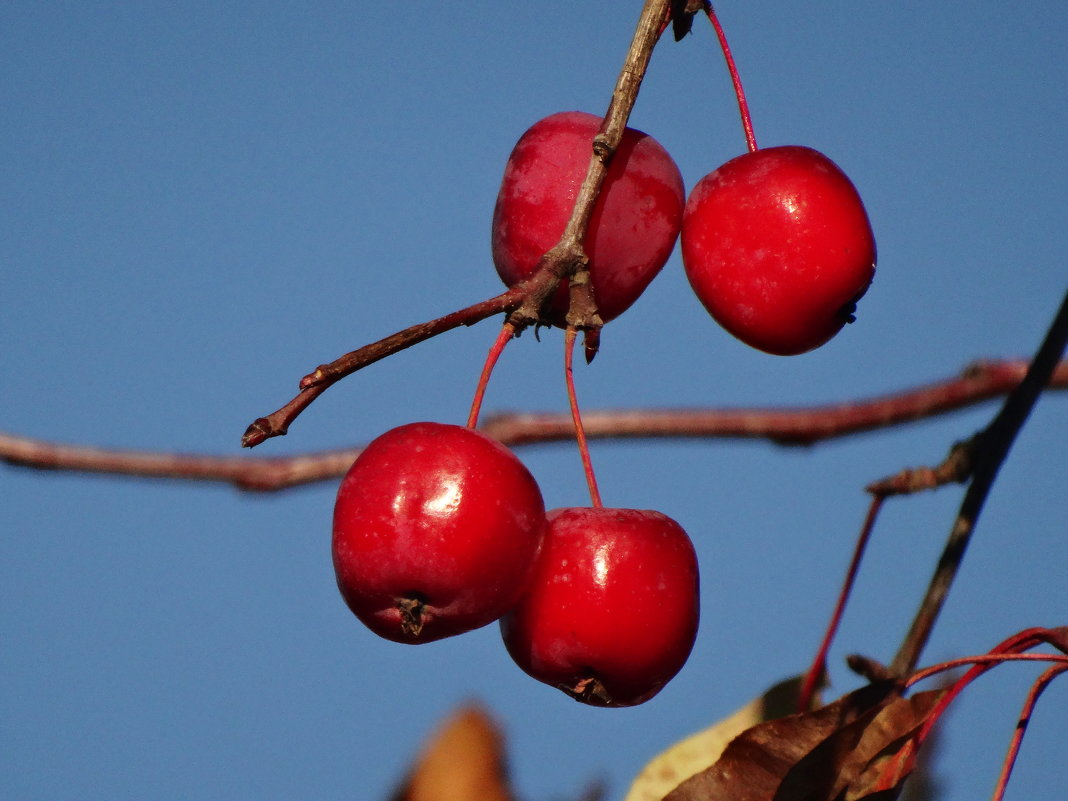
(810, 425)
(312, 386)
(994, 444)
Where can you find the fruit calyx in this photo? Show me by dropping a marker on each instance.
(589, 691)
(411, 616)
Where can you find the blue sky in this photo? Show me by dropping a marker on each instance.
(202, 203)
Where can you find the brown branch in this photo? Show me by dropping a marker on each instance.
(991, 448)
(978, 383)
(569, 254)
(263, 474)
(313, 385)
(785, 426)
(525, 301)
(956, 468)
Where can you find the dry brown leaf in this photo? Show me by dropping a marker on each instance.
(756, 762)
(853, 758)
(462, 761)
(899, 743)
(682, 760)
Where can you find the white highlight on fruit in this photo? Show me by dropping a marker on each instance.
(446, 500)
(600, 565)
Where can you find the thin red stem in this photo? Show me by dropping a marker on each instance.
(819, 664)
(1029, 638)
(580, 432)
(896, 768)
(984, 660)
(739, 92)
(1022, 722)
(503, 338)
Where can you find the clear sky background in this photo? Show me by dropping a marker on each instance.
(201, 202)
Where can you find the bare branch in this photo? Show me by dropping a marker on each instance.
(980, 382)
(247, 473)
(785, 426)
(313, 385)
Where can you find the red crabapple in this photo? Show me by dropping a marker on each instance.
(777, 245)
(436, 528)
(635, 221)
(611, 612)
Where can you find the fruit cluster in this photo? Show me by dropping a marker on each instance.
(776, 242)
(439, 529)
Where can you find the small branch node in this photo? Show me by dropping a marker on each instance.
(956, 468)
(867, 667)
(603, 148)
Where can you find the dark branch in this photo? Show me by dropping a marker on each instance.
(991, 448)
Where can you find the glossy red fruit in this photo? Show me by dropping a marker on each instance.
(778, 246)
(612, 610)
(635, 221)
(436, 528)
